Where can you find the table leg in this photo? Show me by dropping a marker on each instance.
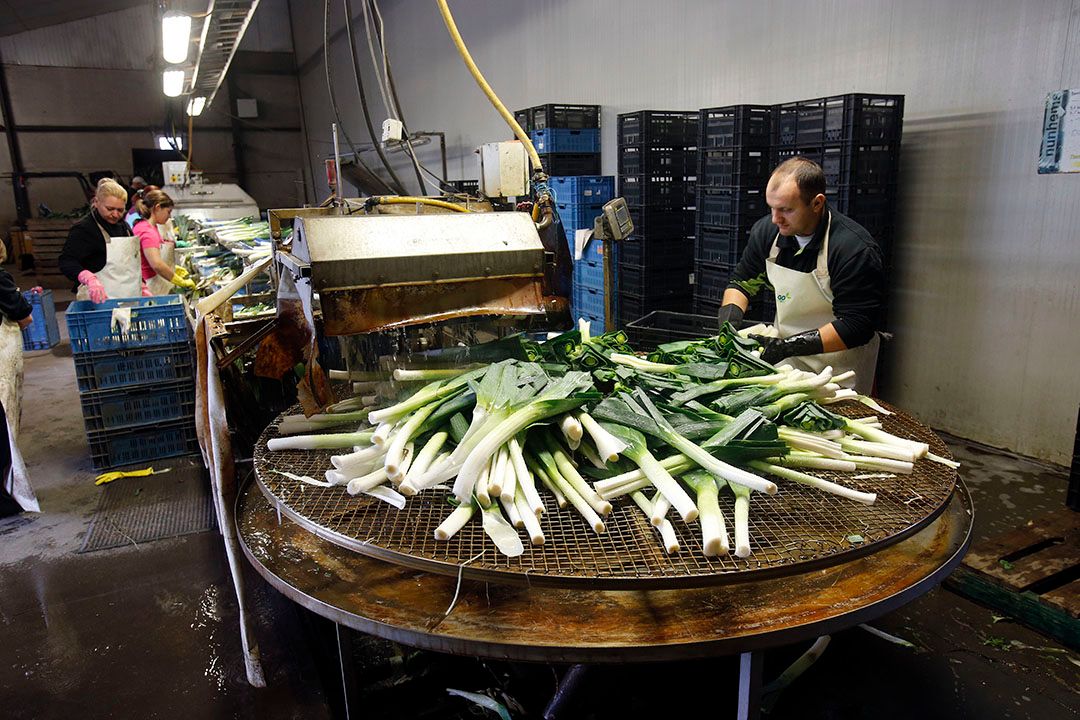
(749, 686)
(348, 671)
(564, 694)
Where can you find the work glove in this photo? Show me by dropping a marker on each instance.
(117, 474)
(183, 282)
(730, 313)
(773, 350)
(97, 290)
(179, 271)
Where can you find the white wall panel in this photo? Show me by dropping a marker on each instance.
(987, 262)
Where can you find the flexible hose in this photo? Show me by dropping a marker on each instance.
(479, 77)
(406, 200)
(398, 186)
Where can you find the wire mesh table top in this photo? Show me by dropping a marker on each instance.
(797, 529)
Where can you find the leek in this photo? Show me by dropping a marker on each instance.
(637, 451)
(815, 482)
(328, 441)
(667, 532)
(714, 538)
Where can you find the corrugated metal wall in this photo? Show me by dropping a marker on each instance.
(986, 297)
(123, 40)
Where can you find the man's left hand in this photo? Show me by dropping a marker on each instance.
(773, 350)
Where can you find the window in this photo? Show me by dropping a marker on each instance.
(164, 142)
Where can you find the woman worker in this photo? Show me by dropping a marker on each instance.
(100, 254)
(158, 272)
(16, 494)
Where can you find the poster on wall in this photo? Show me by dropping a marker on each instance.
(1060, 151)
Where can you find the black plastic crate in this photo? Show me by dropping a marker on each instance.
(710, 281)
(524, 119)
(736, 125)
(870, 201)
(721, 245)
(856, 117)
(571, 164)
(652, 280)
(657, 190)
(661, 223)
(658, 127)
(635, 307)
(727, 207)
(637, 159)
(744, 166)
(472, 187)
(845, 164)
(664, 326)
(639, 250)
(570, 117)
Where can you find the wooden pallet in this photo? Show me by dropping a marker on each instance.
(1031, 573)
(45, 240)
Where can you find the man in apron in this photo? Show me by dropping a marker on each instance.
(100, 254)
(826, 272)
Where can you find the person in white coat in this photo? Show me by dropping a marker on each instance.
(16, 495)
(825, 271)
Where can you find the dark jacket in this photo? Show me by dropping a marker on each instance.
(13, 305)
(85, 246)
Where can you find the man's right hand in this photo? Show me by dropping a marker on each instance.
(731, 313)
(97, 290)
(25, 322)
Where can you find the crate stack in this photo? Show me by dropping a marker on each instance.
(567, 137)
(136, 379)
(579, 200)
(734, 162)
(657, 175)
(43, 333)
(856, 140)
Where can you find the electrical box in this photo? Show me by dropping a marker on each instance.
(504, 169)
(247, 108)
(175, 172)
(392, 130)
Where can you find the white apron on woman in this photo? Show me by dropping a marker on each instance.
(122, 274)
(17, 483)
(157, 284)
(804, 301)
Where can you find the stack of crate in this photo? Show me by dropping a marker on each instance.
(43, 333)
(734, 162)
(657, 174)
(579, 200)
(567, 137)
(136, 378)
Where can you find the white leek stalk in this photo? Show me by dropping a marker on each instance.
(667, 532)
(524, 477)
(327, 441)
(529, 518)
(455, 521)
(571, 430)
(815, 482)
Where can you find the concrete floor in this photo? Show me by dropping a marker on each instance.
(151, 631)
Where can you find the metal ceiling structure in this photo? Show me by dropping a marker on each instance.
(222, 31)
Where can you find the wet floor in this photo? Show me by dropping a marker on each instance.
(151, 631)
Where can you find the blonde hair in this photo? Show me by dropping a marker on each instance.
(149, 200)
(107, 187)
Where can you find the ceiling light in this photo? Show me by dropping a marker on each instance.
(195, 106)
(172, 82)
(175, 37)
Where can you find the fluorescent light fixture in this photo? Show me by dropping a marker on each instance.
(172, 82)
(195, 106)
(164, 142)
(175, 37)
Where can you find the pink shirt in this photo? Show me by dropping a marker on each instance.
(149, 237)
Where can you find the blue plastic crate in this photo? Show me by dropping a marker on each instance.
(596, 324)
(589, 301)
(583, 189)
(112, 448)
(562, 140)
(136, 406)
(589, 274)
(44, 332)
(592, 252)
(579, 215)
(110, 369)
(154, 321)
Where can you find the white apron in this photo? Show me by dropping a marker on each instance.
(122, 274)
(804, 302)
(157, 284)
(17, 484)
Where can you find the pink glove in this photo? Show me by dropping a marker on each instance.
(37, 289)
(146, 291)
(97, 290)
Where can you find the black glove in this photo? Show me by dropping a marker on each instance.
(731, 313)
(773, 350)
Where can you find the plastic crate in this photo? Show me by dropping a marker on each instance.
(472, 187)
(597, 324)
(857, 201)
(735, 126)
(743, 166)
(571, 163)
(664, 326)
(845, 164)
(108, 370)
(524, 119)
(856, 117)
(579, 215)
(728, 207)
(586, 189)
(589, 273)
(592, 252)
(639, 250)
(572, 117)
(634, 307)
(113, 448)
(636, 160)
(710, 281)
(658, 127)
(153, 321)
(721, 245)
(561, 140)
(661, 222)
(44, 332)
(652, 281)
(589, 301)
(672, 192)
(133, 406)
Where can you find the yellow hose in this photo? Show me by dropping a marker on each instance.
(405, 200)
(521, 135)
